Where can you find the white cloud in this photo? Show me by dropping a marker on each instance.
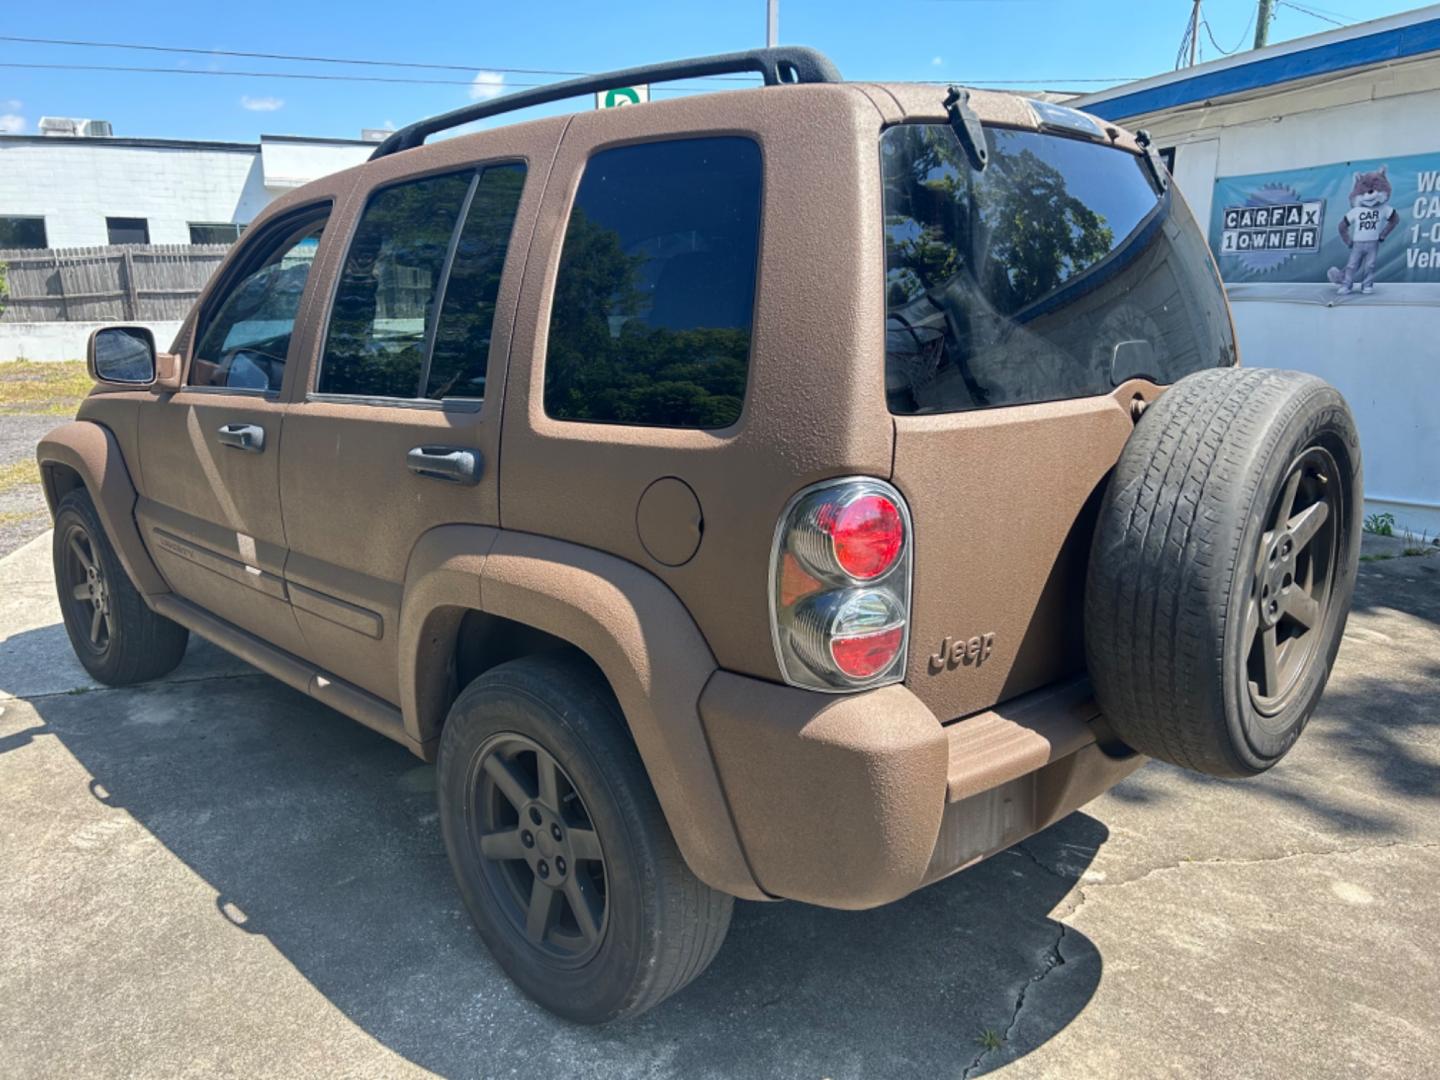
(12, 123)
(261, 104)
(12, 105)
(937, 61)
(487, 85)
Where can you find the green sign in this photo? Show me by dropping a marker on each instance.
(619, 96)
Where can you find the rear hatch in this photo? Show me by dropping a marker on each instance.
(1028, 306)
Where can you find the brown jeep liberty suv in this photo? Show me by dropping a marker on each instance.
(798, 492)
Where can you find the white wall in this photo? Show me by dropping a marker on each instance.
(1385, 360)
(75, 186)
(65, 340)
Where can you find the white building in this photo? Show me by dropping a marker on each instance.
(1285, 132)
(61, 191)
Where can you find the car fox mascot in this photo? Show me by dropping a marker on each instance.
(1369, 220)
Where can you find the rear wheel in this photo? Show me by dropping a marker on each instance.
(1223, 566)
(559, 846)
(116, 637)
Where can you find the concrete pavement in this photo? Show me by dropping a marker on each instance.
(216, 875)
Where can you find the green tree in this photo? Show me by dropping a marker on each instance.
(4, 285)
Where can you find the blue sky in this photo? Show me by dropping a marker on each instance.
(1050, 44)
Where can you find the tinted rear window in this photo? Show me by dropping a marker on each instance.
(656, 286)
(1058, 272)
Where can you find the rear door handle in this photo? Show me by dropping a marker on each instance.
(452, 463)
(248, 437)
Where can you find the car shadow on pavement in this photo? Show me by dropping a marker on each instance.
(322, 837)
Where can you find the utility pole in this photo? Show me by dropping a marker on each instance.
(1194, 31)
(1262, 23)
(772, 23)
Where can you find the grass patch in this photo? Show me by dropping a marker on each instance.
(18, 517)
(18, 474)
(46, 389)
(1375, 558)
(989, 1039)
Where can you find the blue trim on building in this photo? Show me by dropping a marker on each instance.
(1394, 44)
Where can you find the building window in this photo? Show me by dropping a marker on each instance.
(127, 230)
(225, 232)
(22, 232)
(650, 322)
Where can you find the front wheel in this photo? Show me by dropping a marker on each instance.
(559, 846)
(116, 637)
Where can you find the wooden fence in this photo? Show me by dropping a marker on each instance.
(116, 283)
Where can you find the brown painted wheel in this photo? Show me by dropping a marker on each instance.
(538, 848)
(1294, 572)
(116, 637)
(84, 592)
(1222, 569)
(559, 847)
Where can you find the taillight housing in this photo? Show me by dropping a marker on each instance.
(840, 586)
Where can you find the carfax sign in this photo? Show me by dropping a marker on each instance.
(1354, 232)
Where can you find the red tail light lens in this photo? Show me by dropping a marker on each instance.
(840, 586)
(867, 534)
(862, 656)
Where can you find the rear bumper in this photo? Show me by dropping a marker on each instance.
(855, 801)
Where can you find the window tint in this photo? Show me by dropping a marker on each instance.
(127, 230)
(1058, 272)
(245, 341)
(22, 232)
(386, 297)
(467, 312)
(650, 322)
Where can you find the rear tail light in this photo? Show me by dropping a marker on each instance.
(840, 586)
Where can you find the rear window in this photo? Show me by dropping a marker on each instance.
(656, 287)
(1059, 272)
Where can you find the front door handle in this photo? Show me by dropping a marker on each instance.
(248, 437)
(450, 463)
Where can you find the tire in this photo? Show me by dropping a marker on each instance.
(116, 637)
(657, 926)
(1191, 581)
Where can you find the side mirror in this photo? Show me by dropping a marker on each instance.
(122, 356)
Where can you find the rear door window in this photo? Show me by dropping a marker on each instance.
(415, 304)
(655, 293)
(1060, 271)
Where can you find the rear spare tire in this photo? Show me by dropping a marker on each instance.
(1223, 566)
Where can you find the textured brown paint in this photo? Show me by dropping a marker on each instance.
(94, 454)
(657, 663)
(837, 799)
(814, 407)
(998, 498)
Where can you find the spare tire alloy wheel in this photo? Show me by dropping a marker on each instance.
(538, 848)
(1294, 571)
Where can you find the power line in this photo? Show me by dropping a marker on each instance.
(1311, 13)
(1243, 35)
(308, 75)
(313, 59)
(409, 80)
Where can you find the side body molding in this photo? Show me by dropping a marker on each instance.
(92, 452)
(626, 620)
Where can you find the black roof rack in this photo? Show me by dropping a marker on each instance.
(786, 64)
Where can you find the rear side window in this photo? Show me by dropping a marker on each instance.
(415, 303)
(1058, 272)
(655, 293)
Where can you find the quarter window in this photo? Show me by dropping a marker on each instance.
(244, 343)
(650, 323)
(416, 300)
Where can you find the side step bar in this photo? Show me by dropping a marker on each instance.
(341, 696)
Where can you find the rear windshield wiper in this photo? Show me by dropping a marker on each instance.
(966, 126)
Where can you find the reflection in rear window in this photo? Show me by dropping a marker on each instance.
(1058, 272)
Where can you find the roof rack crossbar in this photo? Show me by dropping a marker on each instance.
(785, 64)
